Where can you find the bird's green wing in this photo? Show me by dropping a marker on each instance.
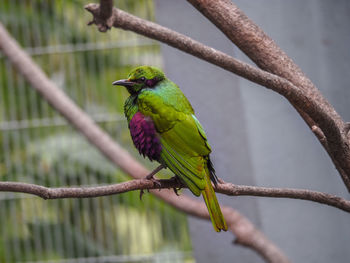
(182, 152)
(184, 144)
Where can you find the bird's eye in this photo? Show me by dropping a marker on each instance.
(142, 78)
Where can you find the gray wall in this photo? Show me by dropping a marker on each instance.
(257, 137)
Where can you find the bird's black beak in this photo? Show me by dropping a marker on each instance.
(123, 82)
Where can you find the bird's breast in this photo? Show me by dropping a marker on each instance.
(145, 137)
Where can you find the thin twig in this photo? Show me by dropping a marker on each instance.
(143, 184)
(302, 194)
(85, 192)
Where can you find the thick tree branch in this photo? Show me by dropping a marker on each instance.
(245, 232)
(311, 105)
(261, 49)
(143, 184)
(347, 128)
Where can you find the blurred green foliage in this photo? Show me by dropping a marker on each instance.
(38, 146)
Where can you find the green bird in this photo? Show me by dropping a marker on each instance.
(164, 128)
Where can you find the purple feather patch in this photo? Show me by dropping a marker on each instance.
(152, 82)
(144, 136)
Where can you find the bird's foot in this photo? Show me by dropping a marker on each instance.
(175, 190)
(150, 176)
(155, 182)
(142, 192)
(176, 180)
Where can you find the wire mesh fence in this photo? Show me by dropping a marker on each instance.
(38, 146)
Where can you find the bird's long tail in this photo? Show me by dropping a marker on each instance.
(213, 206)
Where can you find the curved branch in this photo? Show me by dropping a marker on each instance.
(245, 232)
(256, 44)
(86, 192)
(261, 49)
(143, 184)
(311, 107)
(302, 194)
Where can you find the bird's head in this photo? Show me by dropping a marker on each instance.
(140, 78)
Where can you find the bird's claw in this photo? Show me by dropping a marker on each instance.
(175, 190)
(176, 180)
(142, 192)
(155, 182)
(150, 176)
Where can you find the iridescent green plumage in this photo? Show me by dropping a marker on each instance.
(184, 146)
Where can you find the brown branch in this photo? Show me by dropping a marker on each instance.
(310, 106)
(245, 232)
(261, 49)
(303, 194)
(323, 140)
(103, 19)
(347, 127)
(106, 9)
(253, 41)
(143, 184)
(86, 192)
